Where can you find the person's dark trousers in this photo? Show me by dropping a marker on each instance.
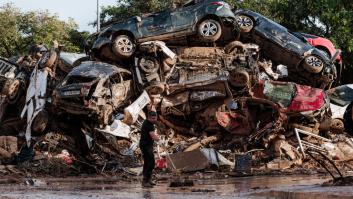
(149, 162)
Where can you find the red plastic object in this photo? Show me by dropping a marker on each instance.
(307, 99)
(161, 163)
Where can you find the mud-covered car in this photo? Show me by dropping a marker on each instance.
(10, 85)
(305, 107)
(341, 99)
(306, 64)
(205, 18)
(323, 44)
(95, 89)
(157, 68)
(238, 59)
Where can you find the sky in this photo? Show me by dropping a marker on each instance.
(82, 11)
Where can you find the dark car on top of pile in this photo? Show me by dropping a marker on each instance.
(204, 18)
(306, 64)
(95, 89)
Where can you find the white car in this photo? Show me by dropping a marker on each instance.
(341, 102)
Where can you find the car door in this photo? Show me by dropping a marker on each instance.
(155, 24)
(185, 16)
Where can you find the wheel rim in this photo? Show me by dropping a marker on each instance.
(209, 29)
(314, 61)
(244, 22)
(125, 45)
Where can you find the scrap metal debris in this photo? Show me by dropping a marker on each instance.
(236, 105)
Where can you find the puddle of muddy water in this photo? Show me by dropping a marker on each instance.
(296, 187)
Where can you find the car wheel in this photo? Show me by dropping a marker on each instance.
(155, 88)
(239, 78)
(12, 89)
(337, 126)
(234, 47)
(210, 30)
(123, 46)
(148, 64)
(244, 23)
(313, 64)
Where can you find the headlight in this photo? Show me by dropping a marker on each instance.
(10, 75)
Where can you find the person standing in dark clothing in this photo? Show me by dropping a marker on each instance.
(148, 136)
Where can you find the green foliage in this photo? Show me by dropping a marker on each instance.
(128, 8)
(19, 30)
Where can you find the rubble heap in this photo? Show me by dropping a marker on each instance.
(227, 106)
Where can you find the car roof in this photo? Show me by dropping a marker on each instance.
(70, 58)
(96, 69)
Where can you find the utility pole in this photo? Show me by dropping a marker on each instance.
(98, 17)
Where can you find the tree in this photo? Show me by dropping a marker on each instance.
(19, 30)
(127, 8)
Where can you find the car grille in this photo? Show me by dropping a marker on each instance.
(6, 67)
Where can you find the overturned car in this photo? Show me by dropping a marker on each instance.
(204, 18)
(306, 64)
(95, 89)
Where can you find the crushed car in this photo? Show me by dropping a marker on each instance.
(204, 18)
(94, 89)
(303, 105)
(341, 103)
(306, 64)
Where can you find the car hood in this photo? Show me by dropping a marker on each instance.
(96, 69)
(341, 95)
(70, 58)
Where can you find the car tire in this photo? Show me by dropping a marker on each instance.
(337, 126)
(313, 64)
(148, 64)
(235, 45)
(123, 46)
(209, 30)
(12, 90)
(245, 24)
(239, 78)
(155, 88)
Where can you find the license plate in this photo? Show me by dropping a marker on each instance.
(70, 93)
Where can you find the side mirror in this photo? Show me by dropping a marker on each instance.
(138, 19)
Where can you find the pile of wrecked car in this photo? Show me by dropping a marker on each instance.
(231, 88)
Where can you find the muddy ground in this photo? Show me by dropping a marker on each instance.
(294, 186)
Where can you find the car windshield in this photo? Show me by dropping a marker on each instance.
(342, 95)
(299, 36)
(79, 79)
